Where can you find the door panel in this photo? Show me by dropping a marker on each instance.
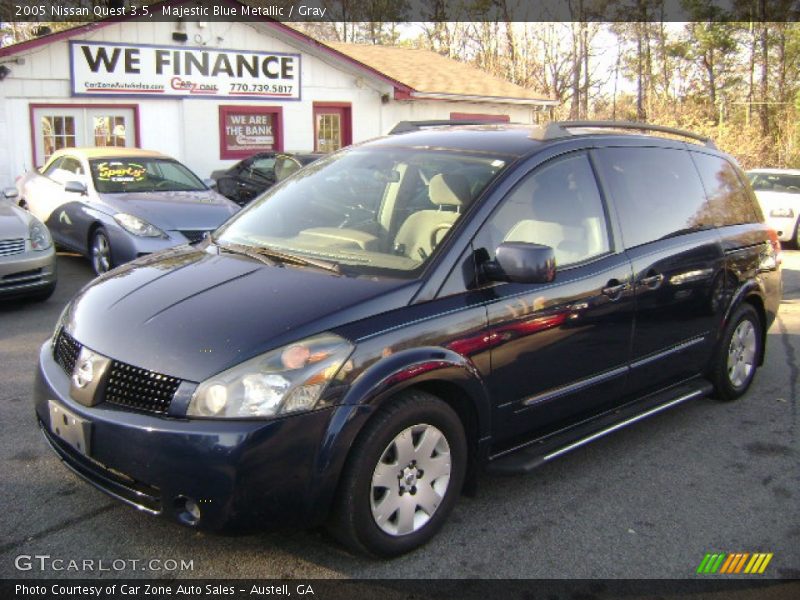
(680, 287)
(560, 351)
(667, 225)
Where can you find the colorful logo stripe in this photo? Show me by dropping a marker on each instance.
(735, 563)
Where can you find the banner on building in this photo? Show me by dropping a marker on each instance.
(111, 69)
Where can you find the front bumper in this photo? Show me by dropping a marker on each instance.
(246, 474)
(27, 273)
(126, 247)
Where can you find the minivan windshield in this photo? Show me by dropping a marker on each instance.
(367, 209)
(142, 174)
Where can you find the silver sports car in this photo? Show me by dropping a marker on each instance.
(116, 204)
(27, 257)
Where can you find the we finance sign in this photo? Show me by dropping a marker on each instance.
(108, 69)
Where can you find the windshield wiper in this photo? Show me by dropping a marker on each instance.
(298, 259)
(269, 256)
(244, 250)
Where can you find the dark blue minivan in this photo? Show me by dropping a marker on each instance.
(361, 340)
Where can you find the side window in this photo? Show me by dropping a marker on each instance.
(263, 166)
(71, 165)
(657, 192)
(557, 205)
(728, 201)
(53, 167)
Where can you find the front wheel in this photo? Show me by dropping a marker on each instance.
(100, 252)
(737, 358)
(403, 477)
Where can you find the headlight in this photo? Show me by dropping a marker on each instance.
(781, 212)
(286, 380)
(40, 236)
(137, 226)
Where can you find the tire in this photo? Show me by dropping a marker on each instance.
(100, 252)
(417, 430)
(737, 357)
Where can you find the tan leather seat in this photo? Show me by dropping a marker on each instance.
(422, 231)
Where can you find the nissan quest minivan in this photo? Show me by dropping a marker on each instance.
(357, 344)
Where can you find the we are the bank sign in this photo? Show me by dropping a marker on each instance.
(109, 69)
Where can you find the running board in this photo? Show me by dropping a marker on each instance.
(533, 454)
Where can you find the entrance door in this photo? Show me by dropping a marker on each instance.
(332, 126)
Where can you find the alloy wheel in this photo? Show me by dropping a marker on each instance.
(742, 354)
(410, 480)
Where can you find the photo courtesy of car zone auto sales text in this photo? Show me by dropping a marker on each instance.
(346, 300)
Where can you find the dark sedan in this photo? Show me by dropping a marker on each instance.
(249, 177)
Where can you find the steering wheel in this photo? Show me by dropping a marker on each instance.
(163, 183)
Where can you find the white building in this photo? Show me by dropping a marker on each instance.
(210, 93)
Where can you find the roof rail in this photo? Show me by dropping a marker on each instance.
(557, 129)
(406, 126)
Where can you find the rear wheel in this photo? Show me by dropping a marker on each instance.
(100, 252)
(403, 477)
(737, 357)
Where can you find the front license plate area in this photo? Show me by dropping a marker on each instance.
(70, 427)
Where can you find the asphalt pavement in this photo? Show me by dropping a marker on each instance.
(646, 502)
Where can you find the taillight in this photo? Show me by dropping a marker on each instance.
(776, 245)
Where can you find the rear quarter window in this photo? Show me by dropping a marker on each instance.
(657, 192)
(728, 200)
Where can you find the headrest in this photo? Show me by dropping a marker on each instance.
(449, 189)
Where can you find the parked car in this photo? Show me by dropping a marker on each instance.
(115, 204)
(502, 296)
(249, 177)
(27, 256)
(778, 192)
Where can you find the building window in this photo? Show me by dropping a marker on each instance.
(109, 131)
(332, 126)
(58, 131)
(246, 130)
(56, 126)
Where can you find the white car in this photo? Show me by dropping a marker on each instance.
(778, 192)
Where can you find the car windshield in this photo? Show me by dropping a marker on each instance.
(775, 182)
(369, 210)
(142, 174)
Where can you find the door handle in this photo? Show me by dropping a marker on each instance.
(652, 281)
(614, 289)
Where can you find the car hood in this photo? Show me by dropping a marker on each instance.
(12, 221)
(192, 312)
(175, 210)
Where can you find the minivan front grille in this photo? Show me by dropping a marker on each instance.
(128, 386)
(140, 389)
(66, 352)
(12, 246)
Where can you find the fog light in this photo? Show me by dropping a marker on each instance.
(188, 511)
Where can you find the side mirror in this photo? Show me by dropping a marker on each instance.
(210, 183)
(522, 262)
(10, 193)
(75, 187)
